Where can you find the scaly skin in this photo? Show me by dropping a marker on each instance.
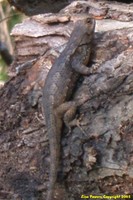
(59, 86)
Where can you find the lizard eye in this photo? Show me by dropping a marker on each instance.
(88, 20)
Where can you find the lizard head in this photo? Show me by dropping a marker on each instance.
(83, 30)
(81, 38)
(87, 26)
(90, 24)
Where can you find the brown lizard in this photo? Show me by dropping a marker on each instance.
(59, 86)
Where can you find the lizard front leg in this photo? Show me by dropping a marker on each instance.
(84, 70)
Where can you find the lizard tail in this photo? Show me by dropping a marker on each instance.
(52, 178)
(54, 142)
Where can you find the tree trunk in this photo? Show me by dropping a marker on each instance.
(96, 157)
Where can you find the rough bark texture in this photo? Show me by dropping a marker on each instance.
(97, 156)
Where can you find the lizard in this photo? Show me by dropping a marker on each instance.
(58, 88)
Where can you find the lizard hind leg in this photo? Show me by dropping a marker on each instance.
(67, 111)
(69, 118)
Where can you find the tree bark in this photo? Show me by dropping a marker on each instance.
(97, 155)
